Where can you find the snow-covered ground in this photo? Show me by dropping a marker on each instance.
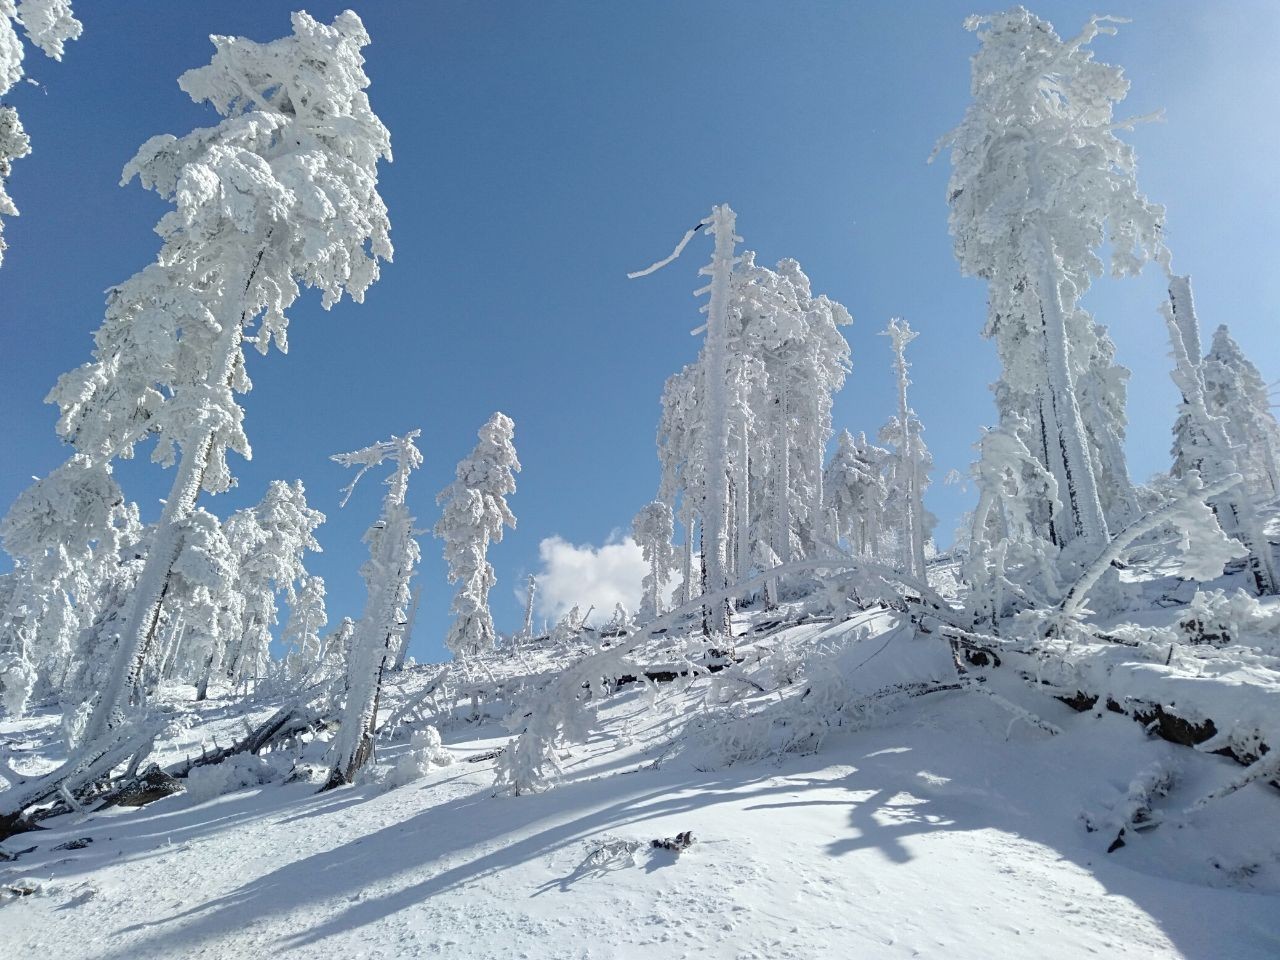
(947, 827)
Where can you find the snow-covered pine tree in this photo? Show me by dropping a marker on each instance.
(680, 462)
(307, 617)
(1009, 565)
(1039, 182)
(856, 491)
(270, 540)
(204, 598)
(1206, 451)
(803, 359)
(281, 192)
(653, 529)
(475, 513)
(908, 468)
(393, 557)
(1235, 391)
(48, 24)
(784, 359)
(65, 533)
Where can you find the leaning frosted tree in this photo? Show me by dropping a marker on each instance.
(475, 513)
(393, 556)
(1040, 182)
(281, 192)
(48, 24)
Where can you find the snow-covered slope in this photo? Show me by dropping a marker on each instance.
(946, 826)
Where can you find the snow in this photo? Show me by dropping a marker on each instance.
(943, 827)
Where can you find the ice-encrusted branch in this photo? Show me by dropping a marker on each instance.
(1196, 493)
(655, 267)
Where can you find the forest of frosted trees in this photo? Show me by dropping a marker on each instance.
(765, 510)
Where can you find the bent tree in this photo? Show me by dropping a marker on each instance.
(281, 193)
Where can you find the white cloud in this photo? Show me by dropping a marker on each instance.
(589, 576)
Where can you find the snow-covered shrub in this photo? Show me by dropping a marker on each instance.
(1224, 619)
(811, 689)
(561, 711)
(1135, 809)
(426, 750)
(239, 772)
(568, 628)
(17, 680)
(74, 719)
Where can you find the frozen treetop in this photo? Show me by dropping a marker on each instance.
(489, 470)
(282, 192)
(48, 24)
(399, 450)
(293, 165)
(1039, 137)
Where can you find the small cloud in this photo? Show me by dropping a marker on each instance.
(589, 576)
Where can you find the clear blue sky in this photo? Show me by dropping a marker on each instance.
(542, 150)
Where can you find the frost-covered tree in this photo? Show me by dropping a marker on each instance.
(568, 628)
(530, 592)
(204, 598)
(65, 534)
(1235, 391)
(48, 24)
(1040, 182)
(281, 192)
(475, 513)
(1009, 565)
(908, 468)
(783, 359)
(803, 360)
(716, 378)
(653, 529)
(680, 462)
(701, 441)
(307, 617)
(393, 556)
(856, 492)
(1206, 450)
(270, 541)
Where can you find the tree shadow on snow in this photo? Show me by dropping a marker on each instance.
(954, 778)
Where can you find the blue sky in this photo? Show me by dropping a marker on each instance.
(543, 150)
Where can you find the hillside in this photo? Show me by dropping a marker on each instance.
(941, 825)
